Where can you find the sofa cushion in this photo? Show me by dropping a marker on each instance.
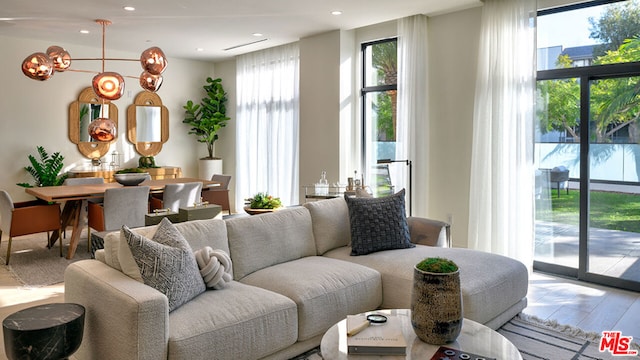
(198, 233)
(378, 224)
(330, 219)
(325, 290)
(490, 283)
(237, 322)
(259, 241)
(166, 263)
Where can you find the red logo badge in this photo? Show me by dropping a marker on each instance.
(618, 345)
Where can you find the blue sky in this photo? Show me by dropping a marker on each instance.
(568, 29)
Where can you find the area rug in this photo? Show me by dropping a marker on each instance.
(33, 264)
(540, 340)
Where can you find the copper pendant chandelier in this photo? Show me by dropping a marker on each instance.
(107, 85)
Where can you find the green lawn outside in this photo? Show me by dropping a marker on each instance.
(609, 210)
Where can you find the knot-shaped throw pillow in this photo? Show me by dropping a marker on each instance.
(215, 267)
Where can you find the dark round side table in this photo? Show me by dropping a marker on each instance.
(50, 331)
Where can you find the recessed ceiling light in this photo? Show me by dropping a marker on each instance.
(129, 8)
(84, 31)
(336, 12)
(257, 34)
(199, 49)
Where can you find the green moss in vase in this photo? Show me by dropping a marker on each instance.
(437, 265)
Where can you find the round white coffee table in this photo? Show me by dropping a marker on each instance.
(474, 337)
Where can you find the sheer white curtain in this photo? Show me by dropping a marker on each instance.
(412, 108)
(268, 124)
(501, 191)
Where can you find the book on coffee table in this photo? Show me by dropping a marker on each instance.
(376, 339)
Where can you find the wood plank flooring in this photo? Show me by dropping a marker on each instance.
(587, 306)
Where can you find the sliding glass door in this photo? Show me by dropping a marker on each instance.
(613, 230)
(588, 174)
(587, 146)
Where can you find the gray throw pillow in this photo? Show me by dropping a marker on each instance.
(167, 263)
(378, 224)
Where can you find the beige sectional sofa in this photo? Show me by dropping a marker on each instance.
(293, 278)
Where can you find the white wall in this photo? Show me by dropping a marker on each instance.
(36, 113)
(225, 147)
(453, 54)
(319, 108)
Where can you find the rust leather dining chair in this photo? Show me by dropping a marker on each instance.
(219, 195)
(29, 217)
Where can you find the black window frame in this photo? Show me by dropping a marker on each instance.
(365, 90)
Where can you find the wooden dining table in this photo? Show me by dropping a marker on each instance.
(73, 195)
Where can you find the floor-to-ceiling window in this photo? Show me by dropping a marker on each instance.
(267, 128)
(379, 115)
(587, 147)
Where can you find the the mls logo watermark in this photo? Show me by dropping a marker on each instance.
(616, 344)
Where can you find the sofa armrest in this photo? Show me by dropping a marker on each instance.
(429, 232)
(125, 319)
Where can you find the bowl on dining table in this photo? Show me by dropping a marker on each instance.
(131, 179)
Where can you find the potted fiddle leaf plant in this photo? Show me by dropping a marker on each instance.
(47, 171)
(436, 301)
(205, 120)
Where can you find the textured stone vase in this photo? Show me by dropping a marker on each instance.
(436, 306)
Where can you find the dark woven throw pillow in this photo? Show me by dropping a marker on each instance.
(378, 224)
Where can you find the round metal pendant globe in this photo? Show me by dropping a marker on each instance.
(153, 60)
(150, 82)
(38, 66)
(60, 57)
(102, 130)
(108, 85)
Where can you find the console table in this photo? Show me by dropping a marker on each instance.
(311, 194)
(159, 173)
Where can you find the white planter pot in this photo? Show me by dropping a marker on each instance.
(208, 167)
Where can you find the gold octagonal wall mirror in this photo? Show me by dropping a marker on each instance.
(147, 123)
(82, 112)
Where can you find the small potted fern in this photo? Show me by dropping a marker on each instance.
(47, 171)
(436, 301)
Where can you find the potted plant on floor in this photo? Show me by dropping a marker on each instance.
(436, 301)
(206, 119)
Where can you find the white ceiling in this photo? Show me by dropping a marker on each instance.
(181, 26)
